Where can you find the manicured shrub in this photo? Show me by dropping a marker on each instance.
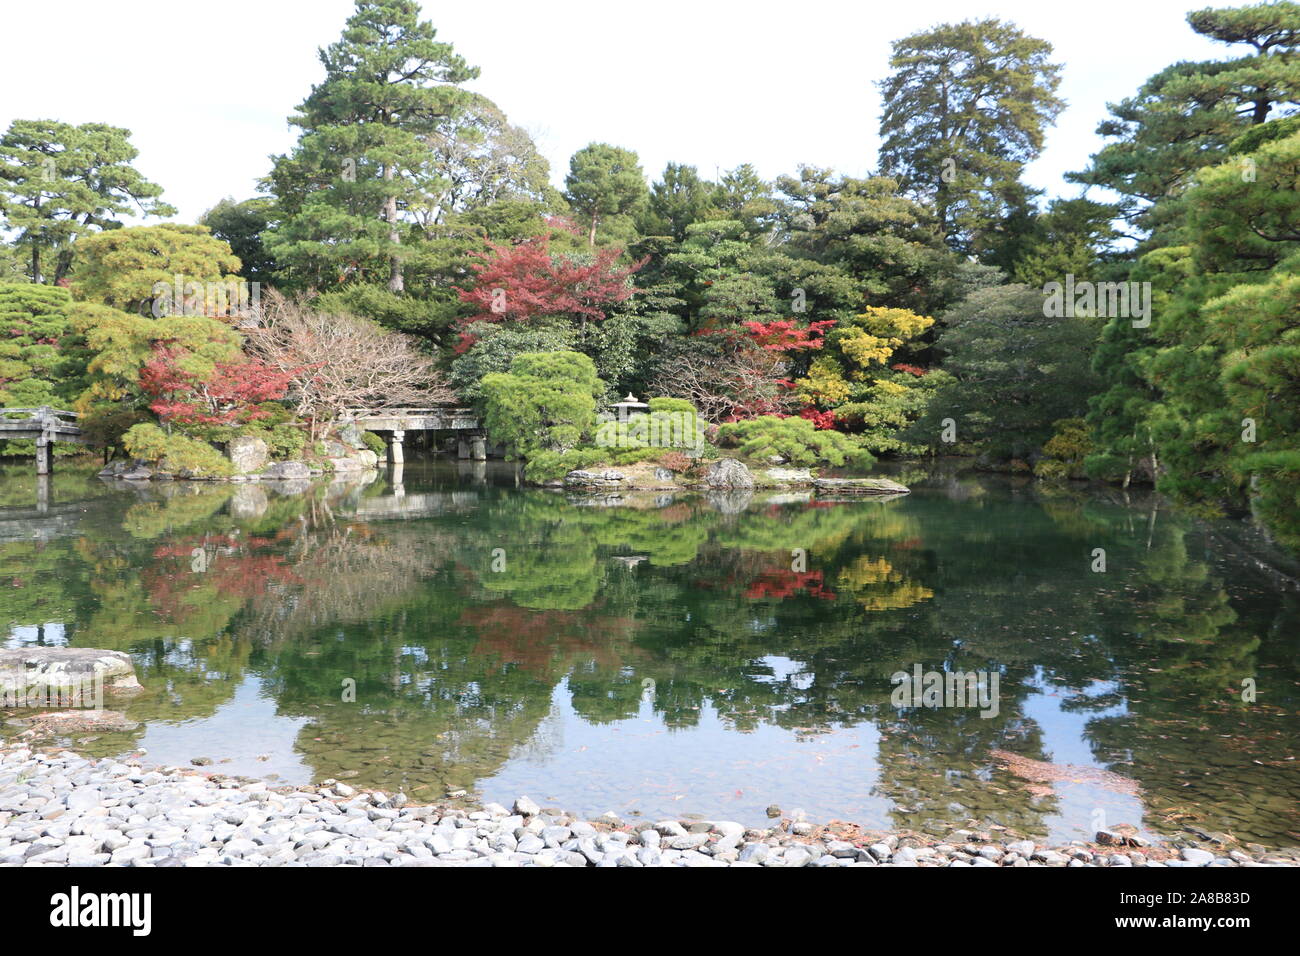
(176, 453)
(1064, 452)
(546, 402)
(796, 439)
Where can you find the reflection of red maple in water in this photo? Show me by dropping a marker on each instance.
(540, 642)
(779, 585)
(231, 568)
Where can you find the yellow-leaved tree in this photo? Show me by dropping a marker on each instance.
(858, 377)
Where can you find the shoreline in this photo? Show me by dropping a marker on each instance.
(60, 808)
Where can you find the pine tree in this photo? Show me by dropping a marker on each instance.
(1184, 117)
(344, 189)
(59, 182)
(965, 108)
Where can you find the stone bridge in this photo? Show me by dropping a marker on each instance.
(392, 424)
(46, 426)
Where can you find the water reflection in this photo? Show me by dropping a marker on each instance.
(440, 628)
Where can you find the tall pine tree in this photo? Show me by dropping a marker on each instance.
(344, 190)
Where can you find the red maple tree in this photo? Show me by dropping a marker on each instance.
(823, 420)
(228, 395)
(518, 283)
(784, 335)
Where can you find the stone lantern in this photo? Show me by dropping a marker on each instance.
(630, 406)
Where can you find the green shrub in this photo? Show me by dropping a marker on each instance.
(284, 441)
(548, 465)
(175, 453)
(375, 443)
(633, 455)
(496, 348)
(274, 413)
(796, 439)
(670, 423)
(546, 402)
(1064, 452)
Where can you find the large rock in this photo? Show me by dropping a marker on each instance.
(859, 486)
(351, 435)
(594, 479)
(286, 471)
(248, 454)
(46, 667)
(781, 477)
(728, 474)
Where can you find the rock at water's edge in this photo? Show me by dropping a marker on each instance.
(62, 666)
(728, 474)
(286, 471)
(859, 486)
(594, 479)
(248, 454)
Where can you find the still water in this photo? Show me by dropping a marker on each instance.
(682, 656)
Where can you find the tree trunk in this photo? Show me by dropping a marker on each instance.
(64, 263)
(395, 280)
(36, 263)
(1260, 113)
(591, 234)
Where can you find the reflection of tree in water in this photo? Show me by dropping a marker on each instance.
(1205, 757)
(340, 573)
(456, 664)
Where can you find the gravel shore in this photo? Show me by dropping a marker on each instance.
(58, 808)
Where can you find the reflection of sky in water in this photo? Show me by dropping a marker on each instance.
(1065, 741)
(48, 635)
(784, 670)
(242, 729)
(642, 767)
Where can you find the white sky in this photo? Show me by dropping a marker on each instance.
(206, 87)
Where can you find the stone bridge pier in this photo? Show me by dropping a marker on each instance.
(472, 447)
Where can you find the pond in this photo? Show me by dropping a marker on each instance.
(686, 656)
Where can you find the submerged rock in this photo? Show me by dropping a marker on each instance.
(76, 721)
(193, 818)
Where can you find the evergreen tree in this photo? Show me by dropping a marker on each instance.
(1184, 117)
(965, 108)
(604, 185)
(345, 189)
(59, 182)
